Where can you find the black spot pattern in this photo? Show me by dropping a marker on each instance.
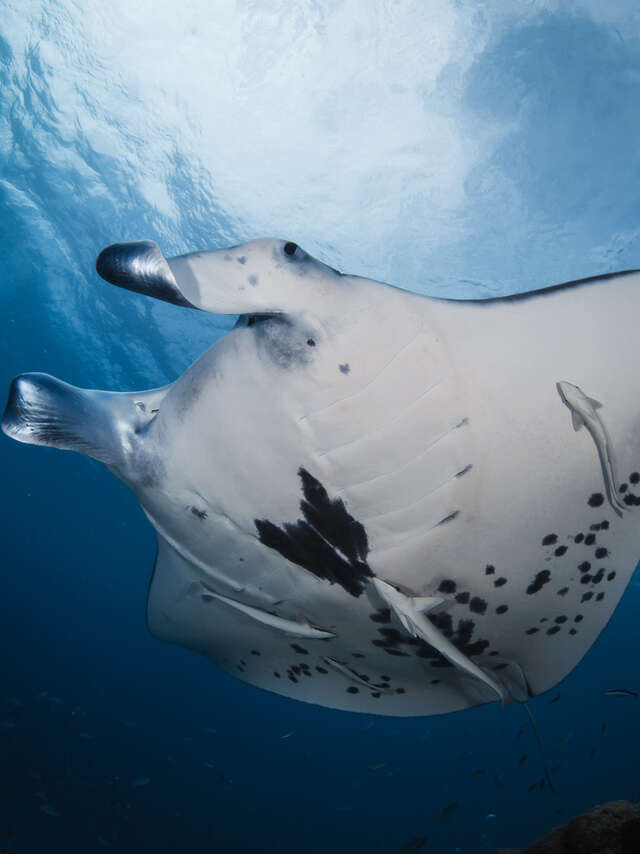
(499, 582)
(585, 566)
(560, 551)
(502, 609)
(299, 649)
(572, 632)
(586, 579)
(318, 542)
(611, 575)
(322, 670)
(478, 605)
(447, 586)
(587, 596)
(634, 477)
(382, 615)
(462, 598)
(532, 631)
(561, 619)
(353, 690)
(601, 553)
(489, 569)
(578, 538)
(550, 540)
(542, 578)
(563, 591)
(596, 499)
(553, 630)
(590, 539)
(599, 597)
(578, 618)
(597, 578)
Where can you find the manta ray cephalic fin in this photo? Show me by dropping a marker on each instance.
(412, 618)
(294, 628)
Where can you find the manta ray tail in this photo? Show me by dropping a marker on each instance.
(42, 410)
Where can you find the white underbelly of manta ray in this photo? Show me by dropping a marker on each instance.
(370, 499)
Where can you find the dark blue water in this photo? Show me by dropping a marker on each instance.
(109, 738)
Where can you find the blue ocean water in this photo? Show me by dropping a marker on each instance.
(451, 148)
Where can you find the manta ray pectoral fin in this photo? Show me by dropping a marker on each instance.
(414, 621)
(294, 628)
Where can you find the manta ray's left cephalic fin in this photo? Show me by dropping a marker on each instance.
(410, 612)
(294, 628)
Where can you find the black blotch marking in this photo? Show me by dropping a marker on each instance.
(599, 597)
(292, 678)
(501, 666)
(242, 259)
(382, 615)
(435, 681)
(550, 540)
(447, 586)
(494, 652)
(623, 487)
(344, 368)
(563, 591)
(596, 500)
(585, 566)
(597, 578)
(578, 618)
(544, 620)
(375, 695)
(560, 551)
(400, 691)
(578, 538)
(601, 553)
(353, 690)
(357, 655)
(477, 605)
(631, 500)
(461, 635)
(299, 649)
(586, 579)
(253, 281)
(311, 342)
(296, 669)
(542, 578)
(489, 569)
(462, 598)
(611, 575)
(499, 582)
(590, 539)
(502, 609)
(243, 662)
(604, 525)
(553, 630)
(572, 632)
(595, 527)
(386, 678)
(318, 542)
(532, 631)
(587, 596)
(276, 674)
(561, 619)
(201, 514)
(255, 652)
(634, 477)
(321, 669)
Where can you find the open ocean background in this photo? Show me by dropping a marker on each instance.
(451, 147)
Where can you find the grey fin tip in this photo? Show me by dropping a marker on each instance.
(140, 266)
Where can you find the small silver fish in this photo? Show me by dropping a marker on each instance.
(619, 692)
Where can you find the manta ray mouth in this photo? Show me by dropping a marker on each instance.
(140, 266)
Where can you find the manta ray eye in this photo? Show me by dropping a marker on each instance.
(290, 248)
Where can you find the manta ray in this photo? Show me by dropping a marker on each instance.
(370, 499)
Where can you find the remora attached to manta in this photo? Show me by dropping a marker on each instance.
(370, 499)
